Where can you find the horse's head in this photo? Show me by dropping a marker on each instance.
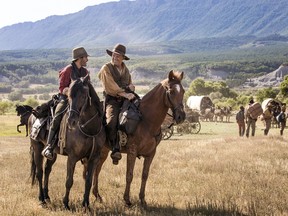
(18, 110)
(174, 95)
(78, 97)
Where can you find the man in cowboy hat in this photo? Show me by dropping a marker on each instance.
(117, 84)
(77, 67)
(251, 122)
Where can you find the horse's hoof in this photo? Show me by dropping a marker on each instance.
(128, 204)
(143, 204)
(48, 201)
(98, 198)
(67, 207)
(86, 209)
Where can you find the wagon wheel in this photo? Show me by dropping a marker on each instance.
(184, 128)
(195, 127)
(167, 133)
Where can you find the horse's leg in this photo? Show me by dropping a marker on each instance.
(38, 162)
(145, 174)
(69, 180)
(19, 131)
(26, 129)
(95, 189)
(48, 169)
(131, 158)
(88, 179)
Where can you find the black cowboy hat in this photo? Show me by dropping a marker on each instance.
(120, 49)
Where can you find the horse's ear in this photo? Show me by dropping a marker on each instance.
(86, 78)
(171, 75)
(178, 75)
(181, 75)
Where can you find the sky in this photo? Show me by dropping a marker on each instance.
(18, 11)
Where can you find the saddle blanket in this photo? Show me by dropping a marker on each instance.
(37, 125)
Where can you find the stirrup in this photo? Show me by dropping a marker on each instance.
(47, 153)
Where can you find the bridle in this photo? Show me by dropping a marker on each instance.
(82, 126)
(170, 103)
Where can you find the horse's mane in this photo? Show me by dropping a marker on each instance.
(163, 83)
(21, 109)
(166, 83)
(76, 86)
(95, 98)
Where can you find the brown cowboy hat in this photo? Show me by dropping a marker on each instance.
(78, 52)
(120, 49)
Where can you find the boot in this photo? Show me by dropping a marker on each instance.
(115, 155)
(48, 150)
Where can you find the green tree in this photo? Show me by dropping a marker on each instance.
(284, 86)
(16, 95)
(5, 106)
(31, 102)
(197, 87)
(262, 94)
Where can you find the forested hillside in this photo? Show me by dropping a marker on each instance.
(240, 60)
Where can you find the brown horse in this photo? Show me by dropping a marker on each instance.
(85, 137)
(24, 111)
(144, 141)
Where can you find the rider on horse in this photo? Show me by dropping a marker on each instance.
(115, 78)
(77, 67)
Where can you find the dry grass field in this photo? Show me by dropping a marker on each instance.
(211, 173)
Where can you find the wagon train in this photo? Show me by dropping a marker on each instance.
(191, 125)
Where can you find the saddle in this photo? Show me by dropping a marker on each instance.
(43, 114)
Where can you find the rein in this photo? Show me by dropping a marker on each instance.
(82, 126)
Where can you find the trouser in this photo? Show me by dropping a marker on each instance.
(113, 107)
(251, 123)
(241, 127)
(59, 112)
(267, 125)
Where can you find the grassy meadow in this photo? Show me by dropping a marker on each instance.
(214, 172)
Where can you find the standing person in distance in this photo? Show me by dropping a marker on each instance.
(117, 84)
(281, 118)
(77, 67)
(251, 122)
(240, 119)
(267, 115)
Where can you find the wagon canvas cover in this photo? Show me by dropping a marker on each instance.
(199, 102)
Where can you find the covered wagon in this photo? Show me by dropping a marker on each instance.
(199, 103)
(202, 104)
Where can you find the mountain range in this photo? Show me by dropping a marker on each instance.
(146, 21)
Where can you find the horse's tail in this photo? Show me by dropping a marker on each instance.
(33, 166)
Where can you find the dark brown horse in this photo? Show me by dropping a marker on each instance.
(85, 137)
(24, 111)
(143, 143)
